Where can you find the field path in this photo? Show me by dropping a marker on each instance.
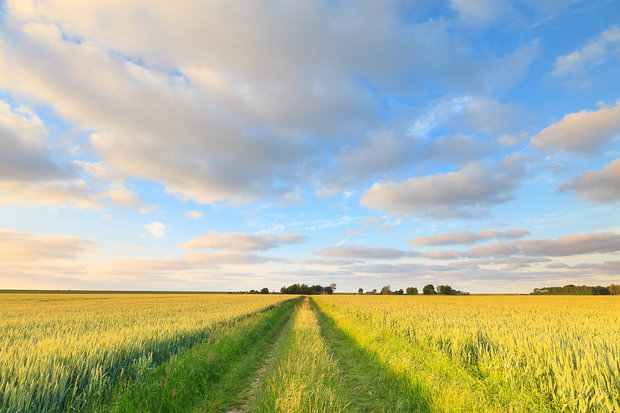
(260, 374)
(303, 376)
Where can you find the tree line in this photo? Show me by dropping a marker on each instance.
(296, 289)
(428, 289)
(307, 289)
(571, 289)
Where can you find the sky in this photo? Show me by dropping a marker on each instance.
(227, 146)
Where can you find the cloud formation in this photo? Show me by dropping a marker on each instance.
(442, 255)
(157, 229)
(578, 244)
(22, 247)
(194, 214)
(464, 193)
(596, 186)
(470, 126)
(33, 171)
(241, 241)
(466, 237)
(597, 51)
(25, 154)
(186, 263)
(478, 11)
(269, 109)
(361, 252)
(581, 132)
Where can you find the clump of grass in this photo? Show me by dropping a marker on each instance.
(303, 377)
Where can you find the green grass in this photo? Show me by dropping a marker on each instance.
(209, 377)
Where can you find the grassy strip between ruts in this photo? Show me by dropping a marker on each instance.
(369, 386)
(409, 377)
(303, 377)
(208, 377)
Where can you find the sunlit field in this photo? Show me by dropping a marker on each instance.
(327, 353)
(58, 350)
(492, 353)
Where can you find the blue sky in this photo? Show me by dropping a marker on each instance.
(236, 145)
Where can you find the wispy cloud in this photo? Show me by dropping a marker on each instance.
(466, 237)
(22, 247)
(239, 241)
(362, 252)
(193, 214)
(604, 47)
(157, 229)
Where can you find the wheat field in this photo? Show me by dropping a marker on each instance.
(134, 352)
(61, 349)
(517, 353)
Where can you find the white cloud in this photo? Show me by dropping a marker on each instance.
(464, 193)
(584, 131)
(157, 229)
(597, 186)
(193, 214)
(597, 51)
(466, 237)
(265, 108)
(241, 241)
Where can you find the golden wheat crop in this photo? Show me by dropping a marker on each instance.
(58, 349)
(562, 353)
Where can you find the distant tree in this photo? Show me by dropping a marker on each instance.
(412, 291)
(264, 291)
(386, 290)
(333, 287)
(428, 289)
(571, 289)
(316, 289)
(374, 291)
(360, 291)
(614, 289)
(304, 289)
(399, 292)
(445, 290)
